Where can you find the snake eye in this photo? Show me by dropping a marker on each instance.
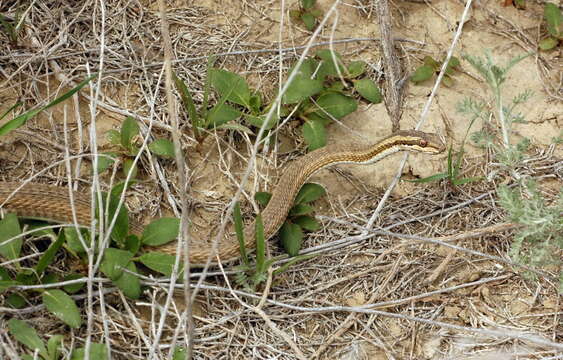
(423, 143)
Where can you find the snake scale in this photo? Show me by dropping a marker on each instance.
(53, 203)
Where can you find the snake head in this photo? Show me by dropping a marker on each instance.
(420, 141)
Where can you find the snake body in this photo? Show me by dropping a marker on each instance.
(53, 203)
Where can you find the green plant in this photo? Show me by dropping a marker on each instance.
(11, 27)
(554, 22)
(307, 13)
(541, 238)
(125, 146)
(250, 274)
(431, 67)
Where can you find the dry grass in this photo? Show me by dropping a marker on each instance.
(369, 294)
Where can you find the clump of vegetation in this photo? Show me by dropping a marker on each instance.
(554, 23)
(540, 241)
(432, 67)
(307, 13)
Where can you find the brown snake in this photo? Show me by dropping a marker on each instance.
(53, 203)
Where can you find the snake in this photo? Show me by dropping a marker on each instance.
(53, 203)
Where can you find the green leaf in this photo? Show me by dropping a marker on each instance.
(159, 262)
(53, 346)
(231, 85)
(327, 66)
(462, 181)
(429, 61)
(236, 127)
(4, 274)
(309, 192)
(309, 20)
(129, 283)
(307, 4)
(129, 165)
(291, 237)
(553, 19)
(132, 243)
(369, 90)
(16, 301)
(427, 179)
(239, 230)
(129, 129)
(448, 81)
(257, 121)
(179, 353)
(161, 231)
(300, 209)
(49, 255)
(301, 88)
(423, 73)
(62, 306)
(120, 229)
(260, 245)
(221, 114)
(262, 197)
(97, 352)
(337, 105)
(307, 223)
(306, 70)
(113, 136)
(356, 68)
(73, 240)
(7, 284)
(9, 228)
(314, 133)
(23, 118)
(114, 261)
(548, 43)
(27, 335)
(255, 103)
(104, 162)
(189, 105)
(73, 288)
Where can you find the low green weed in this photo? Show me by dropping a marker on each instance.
(307, 13)
(432, 67)
(554, 23)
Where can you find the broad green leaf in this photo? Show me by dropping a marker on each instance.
(129, 283)
(307, 4)
(337, 105)
(307, 223)
(315, 134)
(553, 19)
(262, 197)
(104, 162)
(161, 231)
(73, 288)
(159, 262)
(429, 61)
(162, 147)
(114, 261)
(257, 121)
(356, 68)
(62, 306)
(300, 89)
(23, 118)
(369, 90)
(4, 274)
(548, 43)
(231, 85)
(309, 20)
(221, 114)
(120, 228)
(327, 66)
(10, 227)
(132, 243)
(294, 14)
(97, 352)
(129, 165)
(73, 240)
(291, 237)
(53, 346)
(179, 353)
(27, 335)
(300, 209)
(423, 73)
(113, 136)
(309, 192)
(6, 284)
(50, 278)
(454, 62)
(255, 102)
(16, 301)
(129, 129)
(49, 254)
(306, 70)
